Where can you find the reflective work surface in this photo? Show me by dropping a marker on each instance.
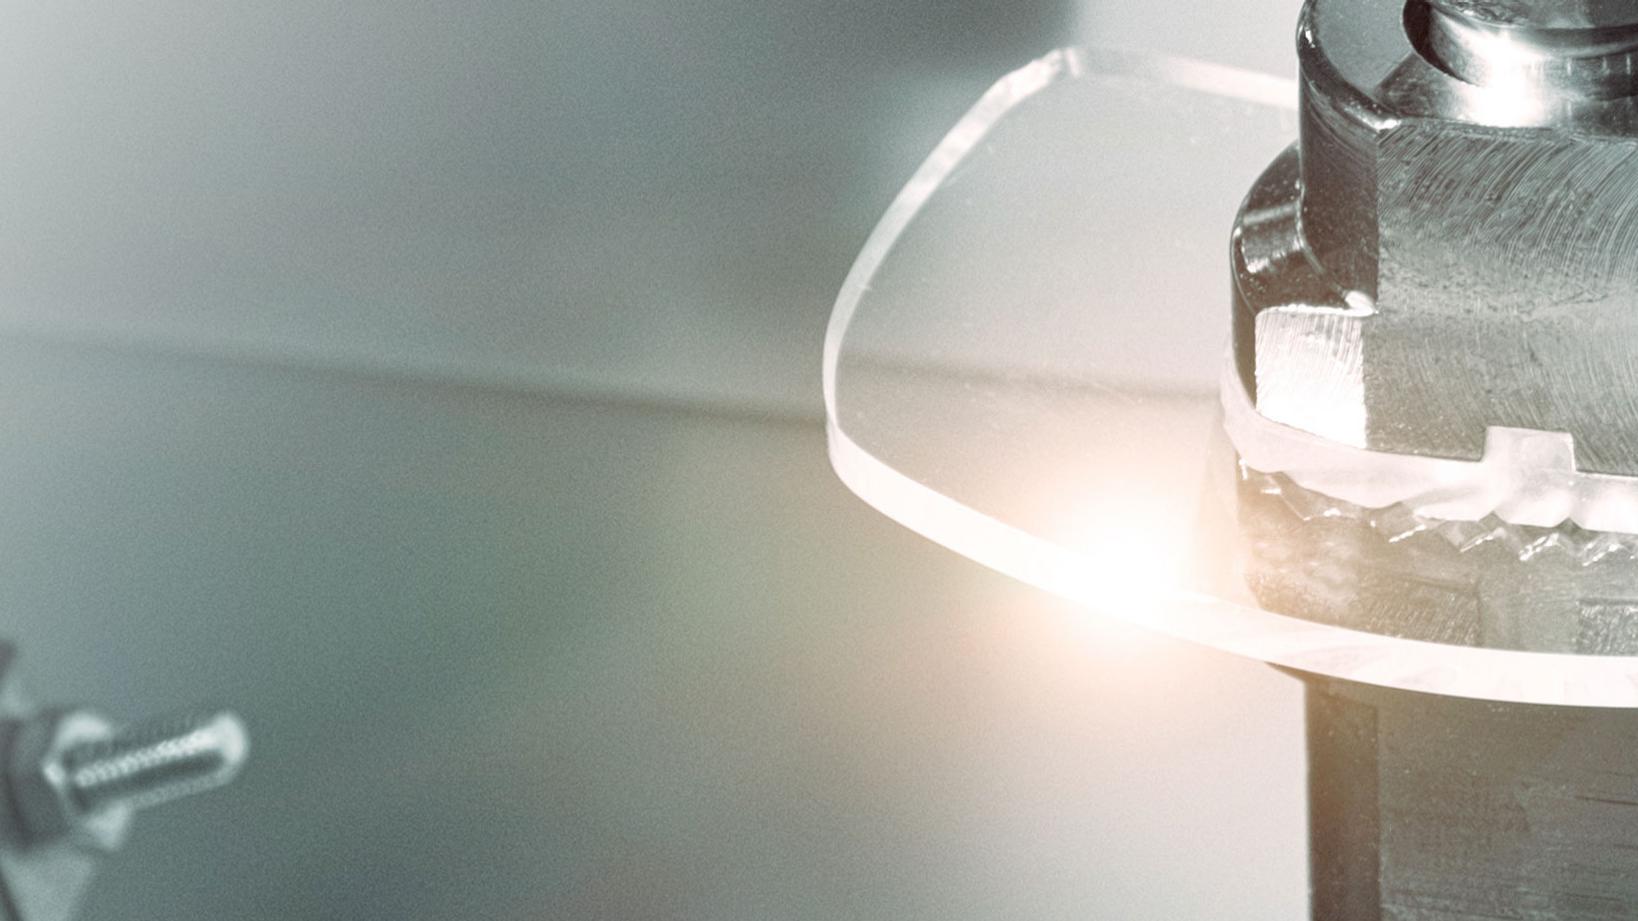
(1024, 366)
(506, 656)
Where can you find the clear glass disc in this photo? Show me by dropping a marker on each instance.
(1023, 366)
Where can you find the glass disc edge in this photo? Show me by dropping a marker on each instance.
(1490, 674)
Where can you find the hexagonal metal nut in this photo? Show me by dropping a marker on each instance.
(40, 785)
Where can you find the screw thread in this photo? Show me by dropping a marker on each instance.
(157, 761)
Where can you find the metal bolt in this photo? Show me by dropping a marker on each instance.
(71, 774)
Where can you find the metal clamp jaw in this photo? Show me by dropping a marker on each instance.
(1447, 252)
(1448, 248)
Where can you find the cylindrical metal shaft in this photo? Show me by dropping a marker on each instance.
(1438, 808)
(1587, 48)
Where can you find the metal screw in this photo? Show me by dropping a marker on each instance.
(157, 761)
(72, 774)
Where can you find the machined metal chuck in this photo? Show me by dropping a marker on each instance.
(1449, 252)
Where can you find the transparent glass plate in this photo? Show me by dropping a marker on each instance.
(1023, 366)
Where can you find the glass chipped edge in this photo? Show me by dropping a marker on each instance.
(1459, 671)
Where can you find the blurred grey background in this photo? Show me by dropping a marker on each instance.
(437, 383)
